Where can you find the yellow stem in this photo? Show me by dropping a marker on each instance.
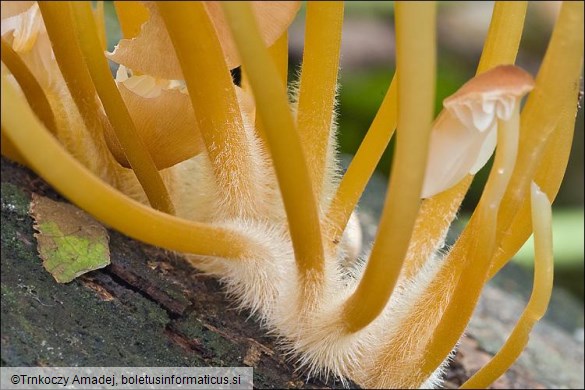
(500, 47)
(214, 102)
(549, 110)
(480, 249)
(59, 22)
(505, 31)
(244, 83)
(362, 167)
(426, 312)
(279, 54)
(83, 27)
(408, 348)
(10, 151)
(539, 299)
(50, 160)
(57, 19)
(549, 175)
(432, 225)
(318, 85)
(283, 140)
(30, 87)
(416, 58)
(453, 322)
(131, 15)
(100, 22)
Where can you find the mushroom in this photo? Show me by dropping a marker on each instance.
(464, 136)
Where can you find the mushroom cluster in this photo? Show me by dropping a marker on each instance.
(246, 184)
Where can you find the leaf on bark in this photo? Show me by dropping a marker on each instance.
(69, 241)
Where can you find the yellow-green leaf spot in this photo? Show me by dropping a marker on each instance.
(69, 241)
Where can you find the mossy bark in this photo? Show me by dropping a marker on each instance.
(148, 308)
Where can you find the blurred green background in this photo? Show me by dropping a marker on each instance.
(367, 66)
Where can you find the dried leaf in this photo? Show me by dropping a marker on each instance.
(13, 8)
(151, 51)
(69, 241)
(166, 124)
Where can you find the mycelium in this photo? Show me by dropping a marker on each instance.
(252, 181)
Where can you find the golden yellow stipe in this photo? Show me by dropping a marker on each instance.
(283, 140)
(416, 59)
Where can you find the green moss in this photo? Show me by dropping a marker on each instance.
(220, 350)
(44, 322)
(14, 200)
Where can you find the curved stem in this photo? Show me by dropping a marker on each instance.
(57, 19)
(30, 87)
(48, 158)
(420, 322)
(140, 160)
(479, 250)
(283, 140)
(500, 47)
(75, 41)
(416, 56)
(539, 299)
(549, 113)
(362, 166)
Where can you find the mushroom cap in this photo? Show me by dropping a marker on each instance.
(490, 95)
(503, 80)
(464, 136)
